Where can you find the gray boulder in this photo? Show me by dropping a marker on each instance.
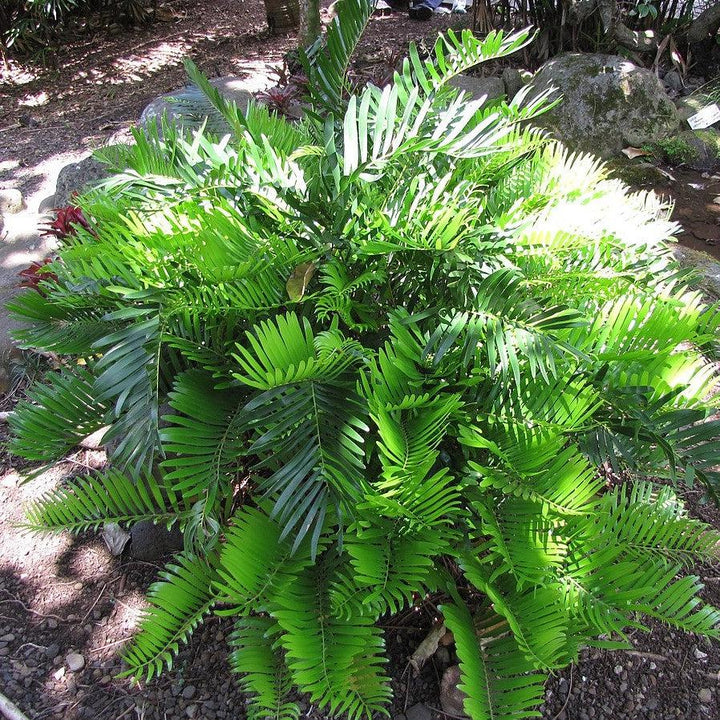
(76, 178)
(188, 106)
(490, 88)
(513, 80)
(608, 103)
(689, 105)
(153, 542)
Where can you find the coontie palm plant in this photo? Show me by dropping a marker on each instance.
(395, 348)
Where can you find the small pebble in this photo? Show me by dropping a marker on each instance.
(75, 661)
(705, 696)
(191, 710)
(52, 651)
(9, 637)
(188, 692)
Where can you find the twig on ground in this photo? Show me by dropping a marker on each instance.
(10, 710)
(97, 599)
(30, 644)
(650, 656)
(29, 609)
(110, 644)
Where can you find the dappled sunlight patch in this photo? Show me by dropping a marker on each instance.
(20, 544)
(137, 67)
(34, 99)
(14, 73)
(256, 75)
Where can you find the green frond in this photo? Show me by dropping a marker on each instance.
(499, 682)
(536, 467)
(506, 330)
(537, 616)
(255, 560)
(308, 423)
(127, 378)
(387, 565)
(283, 352)
(89, 502)
(56, 416)
(453, 55)
(54, 327)
(516, 539)
(178, 604)
(347, 298)
(604, 589)
(326, 63)
(337, 662)
(640, 540)
(204, 439)
(255, 656)
(648, 522)
(311, 448)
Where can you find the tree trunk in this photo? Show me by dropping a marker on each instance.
(309, 22)
(282, 15)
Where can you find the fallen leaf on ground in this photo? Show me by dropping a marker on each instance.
(633, 152)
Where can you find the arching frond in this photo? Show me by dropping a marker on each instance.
(499, 682)
(54, 327)
(56, 416)
(204, 439)
(386, 566)
(127, 379)
(178, 604)
(262, 668)
(337, 662)
(112, 496)
(255, 560)
(326, 63)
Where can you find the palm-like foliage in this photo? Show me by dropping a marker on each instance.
(402, 334)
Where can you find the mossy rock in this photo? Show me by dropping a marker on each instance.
(698, 149)
(637, 174)
(689, 105)
(608, 103)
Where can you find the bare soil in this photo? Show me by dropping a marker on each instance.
(60, 595)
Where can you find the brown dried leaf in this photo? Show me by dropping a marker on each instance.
(633, 152)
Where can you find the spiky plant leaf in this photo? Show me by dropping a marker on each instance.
(178, 604)
(204, 438)
(87, 503)
(57, 416)
(264, 673)
(337, 662)
(326, 63)
(498, 680)
(253, 560)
